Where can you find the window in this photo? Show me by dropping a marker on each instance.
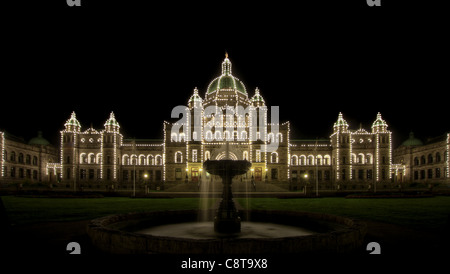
(82, 174)
(274, 157)
(35, 161)
(13, 172)
(178, 157)
(422, 160)
(416, 161)
(438, 157)
(21, 158)
(28, 159)
(438, 173)
(360, 174)
(178, 174)
(326, 175)
(258, 155)
(194, 155)
(294, 160)
(430, 158)
(369, 174)
(125, 175)
(91, 174)
(274, 174)
(158, 160)
(91, 158)
(430, 173)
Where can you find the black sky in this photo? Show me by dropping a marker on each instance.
(140, 62)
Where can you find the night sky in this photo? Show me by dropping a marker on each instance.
(140, 62)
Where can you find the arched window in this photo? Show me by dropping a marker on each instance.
(327, 160)
(99, 158)
(319, 160)
(158, 160)
(422, 160)
(173, 137)
(35, 161)
(274, 157)
(207, 155)
(134, 159)
(218, 136)
(430, 158)
(91, 158)
(310, 160)
(178, 157)
(361, 158)
(245, 155)
(150, 160)
(438, 157)
(83, 158)
(302, 160)
(271, 138)
(369, 158)
(416, 161)
(279, 138)
(294, 160)
(182, 137)
(209, 136)
(142, 159)
(13, 156)
(21, 158)
(125, 159)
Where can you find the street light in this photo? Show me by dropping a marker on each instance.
(145, 182)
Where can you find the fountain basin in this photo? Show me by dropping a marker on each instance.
(119, 234)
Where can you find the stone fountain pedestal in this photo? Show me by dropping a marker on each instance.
(227, 218)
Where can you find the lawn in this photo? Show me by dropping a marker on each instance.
(23, 210)
(417, 213)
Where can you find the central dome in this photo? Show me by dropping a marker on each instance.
(226, 81)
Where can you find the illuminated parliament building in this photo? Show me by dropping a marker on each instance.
(105, 159)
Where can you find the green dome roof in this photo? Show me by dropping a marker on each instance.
(39, 140)
(226, 80)
(412, 141)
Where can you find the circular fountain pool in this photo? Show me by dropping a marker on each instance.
(205, 230)
(178, 232)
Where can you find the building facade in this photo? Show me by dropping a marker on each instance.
(26, 163)
(227, 122)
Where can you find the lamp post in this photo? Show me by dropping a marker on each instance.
(145, 183)
(306, 181)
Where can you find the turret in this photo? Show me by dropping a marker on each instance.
(72, 125)
(340, 125)
(111, 125)
(380, 125)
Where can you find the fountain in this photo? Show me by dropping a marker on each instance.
(178, 232)
(227, 219)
